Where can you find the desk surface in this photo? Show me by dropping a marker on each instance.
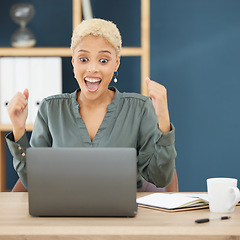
(16, 223)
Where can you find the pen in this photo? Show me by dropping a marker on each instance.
(210, 219)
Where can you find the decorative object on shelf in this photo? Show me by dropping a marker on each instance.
(87, 9)
(22, 13)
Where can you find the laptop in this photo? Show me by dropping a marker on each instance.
(91, 182)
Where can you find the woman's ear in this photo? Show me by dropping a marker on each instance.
(73, 66)
(72, 61)
(117, 63)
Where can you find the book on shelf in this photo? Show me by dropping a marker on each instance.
(6, 86)
(41, 75)
(172, 202)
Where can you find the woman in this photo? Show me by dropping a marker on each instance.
(97, 115)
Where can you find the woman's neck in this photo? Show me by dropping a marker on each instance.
(103, 100)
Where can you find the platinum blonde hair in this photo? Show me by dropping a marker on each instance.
(97, 27)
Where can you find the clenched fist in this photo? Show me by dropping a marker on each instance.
(18, 111)
(158, 93)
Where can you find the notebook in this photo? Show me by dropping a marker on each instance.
(174, 202)
(88, 182)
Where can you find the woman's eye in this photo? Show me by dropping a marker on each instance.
(83, 59)
(103, 60)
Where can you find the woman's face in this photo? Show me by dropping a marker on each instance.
(94, 62)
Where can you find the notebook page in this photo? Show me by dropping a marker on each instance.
(169, 201)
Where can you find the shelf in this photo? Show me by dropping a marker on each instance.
(36, 51)
(143, 52)
(55, 51)
(8, 127)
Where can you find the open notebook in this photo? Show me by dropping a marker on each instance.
(172, 202)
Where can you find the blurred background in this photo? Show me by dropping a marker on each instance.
(195, 54)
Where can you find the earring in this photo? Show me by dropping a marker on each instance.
(115, 76)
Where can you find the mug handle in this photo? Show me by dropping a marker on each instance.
(236, 195)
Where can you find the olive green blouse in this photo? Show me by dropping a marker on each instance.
(130, 121)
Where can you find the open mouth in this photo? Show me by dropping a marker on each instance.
(92, 83)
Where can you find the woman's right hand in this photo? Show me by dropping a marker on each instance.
(18, 111)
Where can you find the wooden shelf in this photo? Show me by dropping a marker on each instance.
(143, 52)
(56, 51)
(8, 127)
(35, 51)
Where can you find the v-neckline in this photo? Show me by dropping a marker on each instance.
(107, 117)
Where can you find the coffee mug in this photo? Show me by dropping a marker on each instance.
(223, 194)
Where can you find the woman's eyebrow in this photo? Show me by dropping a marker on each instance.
(82, 50)
(105, 51)
(102, 51)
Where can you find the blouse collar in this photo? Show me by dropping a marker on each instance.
(110, 107)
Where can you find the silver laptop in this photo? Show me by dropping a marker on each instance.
(82, 182)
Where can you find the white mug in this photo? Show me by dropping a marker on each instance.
(223, 194)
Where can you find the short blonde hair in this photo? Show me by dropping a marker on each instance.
(97, 27)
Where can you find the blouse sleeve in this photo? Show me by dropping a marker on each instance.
(18, 151)
(156, 159)
(40, 138)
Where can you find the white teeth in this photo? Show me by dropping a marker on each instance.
(92, 79)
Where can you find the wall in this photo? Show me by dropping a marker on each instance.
(195, 53)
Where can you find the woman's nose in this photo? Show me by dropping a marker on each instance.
(92, 67)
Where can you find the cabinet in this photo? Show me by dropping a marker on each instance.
(143, 52)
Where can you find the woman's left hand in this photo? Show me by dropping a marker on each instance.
(158, 93)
